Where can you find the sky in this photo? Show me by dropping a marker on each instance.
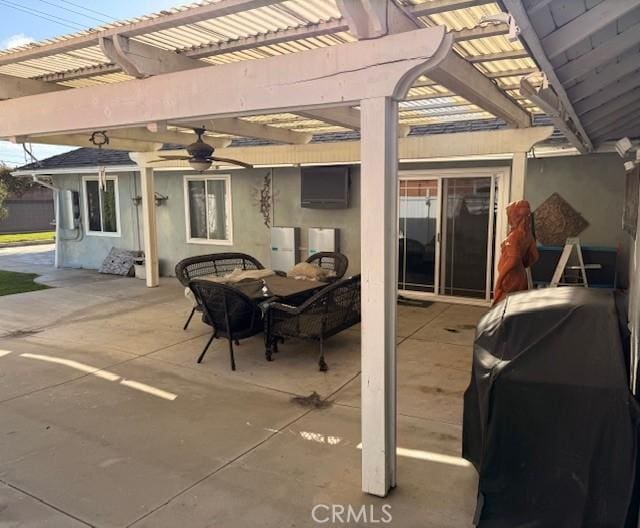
(25, 21)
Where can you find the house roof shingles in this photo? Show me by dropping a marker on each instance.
(90, 157)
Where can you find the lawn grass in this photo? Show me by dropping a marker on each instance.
(12, 282)
(26, 237)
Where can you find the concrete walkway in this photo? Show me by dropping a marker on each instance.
(107, 420)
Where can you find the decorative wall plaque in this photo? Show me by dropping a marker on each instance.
(555, 221)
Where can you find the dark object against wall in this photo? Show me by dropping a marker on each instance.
(604, 277)
(325, 187)
(555, 221)
(549, 421)
(631, 198)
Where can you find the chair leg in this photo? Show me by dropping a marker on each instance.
(322, 363)
(268, 348)
(186, 325)
(233, 360)
(206, 347)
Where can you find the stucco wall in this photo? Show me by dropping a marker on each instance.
(593, 185)
(88, 251)
(250, 235)
(288, 213)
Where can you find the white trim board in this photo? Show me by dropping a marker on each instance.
(228, 209)
(85, 207)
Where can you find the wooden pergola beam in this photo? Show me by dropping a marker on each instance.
(370, 20)
(240, 127)
(500, 55)
(132, 139)
(225, 7)
(141, 60)
(466, 81)
(12, 87)
(147, 25)
(346, 117)
(435, 146)
(341, 76)
(577, 134)
(278, 37)
(547, 99)
(83, 140)
(433, 7)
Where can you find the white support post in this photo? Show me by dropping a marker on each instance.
(518, 174)
(57, 260)
(149, 226)
(379, 255)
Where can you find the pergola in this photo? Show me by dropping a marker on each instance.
(283, 71)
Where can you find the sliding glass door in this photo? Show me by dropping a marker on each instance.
(447, 231)
(467, 216)
(418, 211)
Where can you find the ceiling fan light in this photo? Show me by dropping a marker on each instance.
(199, 165)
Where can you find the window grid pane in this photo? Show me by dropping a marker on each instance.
(93, 205)
(197, 209)
(216, 209)
(208, 213)
(108, 202)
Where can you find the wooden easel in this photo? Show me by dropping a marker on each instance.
(572, 243)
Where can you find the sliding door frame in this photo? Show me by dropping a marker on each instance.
(500, 184)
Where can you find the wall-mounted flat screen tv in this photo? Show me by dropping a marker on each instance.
(325, 187)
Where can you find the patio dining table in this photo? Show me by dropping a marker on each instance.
(277, 287)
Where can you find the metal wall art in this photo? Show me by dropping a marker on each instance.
(264, 199)
(556, 220)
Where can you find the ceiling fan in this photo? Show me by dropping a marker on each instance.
(201, 156)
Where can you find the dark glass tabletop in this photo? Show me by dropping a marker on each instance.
(277, 286)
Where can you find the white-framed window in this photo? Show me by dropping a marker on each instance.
(101, 206)
(208, 209)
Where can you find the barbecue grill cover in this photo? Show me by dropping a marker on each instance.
(549, 422)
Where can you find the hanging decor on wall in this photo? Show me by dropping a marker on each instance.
(264, 199)
(99, 139)
(555, 220)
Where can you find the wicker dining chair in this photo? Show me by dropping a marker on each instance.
(332, 261)
(229, 312)
(330, 311)
(217, 264)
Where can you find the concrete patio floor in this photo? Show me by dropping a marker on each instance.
(109, 422)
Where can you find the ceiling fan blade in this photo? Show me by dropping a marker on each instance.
(233, 162)
(173, 157)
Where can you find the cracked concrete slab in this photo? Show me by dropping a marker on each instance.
(109, 422)
(316, 462)
(20, 510)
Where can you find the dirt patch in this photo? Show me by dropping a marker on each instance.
(440, 391)
(456, 329)
(444, 437)
(22, 333)
(314, 400)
